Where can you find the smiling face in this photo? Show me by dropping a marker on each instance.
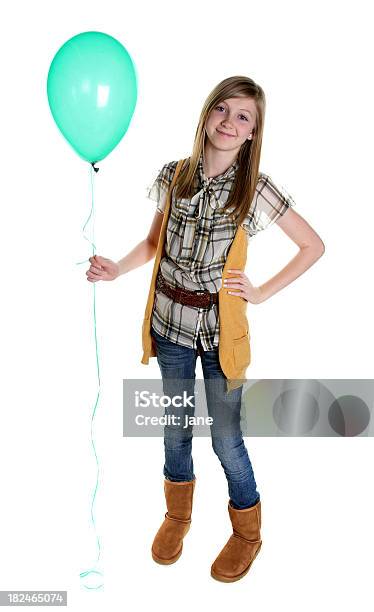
(230, 123)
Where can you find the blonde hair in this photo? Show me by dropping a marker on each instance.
(246, 178)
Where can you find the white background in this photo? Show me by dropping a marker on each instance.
(314, 62)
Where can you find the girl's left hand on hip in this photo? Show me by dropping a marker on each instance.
(244, 286)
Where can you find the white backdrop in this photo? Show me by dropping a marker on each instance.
(314, 62)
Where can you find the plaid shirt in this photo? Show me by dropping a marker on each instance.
(198, 238)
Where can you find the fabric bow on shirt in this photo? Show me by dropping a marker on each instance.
(197, 223)
(209, 192)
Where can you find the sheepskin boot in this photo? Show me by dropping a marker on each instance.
(243, 546)
(168, 543)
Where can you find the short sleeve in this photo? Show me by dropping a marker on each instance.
(157, 191)
(271, 201)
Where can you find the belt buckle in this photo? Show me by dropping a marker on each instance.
(203, 292)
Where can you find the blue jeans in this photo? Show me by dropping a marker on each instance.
(177, 363)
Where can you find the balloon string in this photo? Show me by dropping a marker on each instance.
(93, 570)
(78, 263)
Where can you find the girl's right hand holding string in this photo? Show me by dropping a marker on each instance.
(102, 268)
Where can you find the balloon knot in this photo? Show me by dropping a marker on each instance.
(93, 165)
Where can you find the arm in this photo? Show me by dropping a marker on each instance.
(311, 248)
(145, 250)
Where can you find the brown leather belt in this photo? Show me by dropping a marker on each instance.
(199, 298)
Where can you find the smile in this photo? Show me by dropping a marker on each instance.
(225, 135)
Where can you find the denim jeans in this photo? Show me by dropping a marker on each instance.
(177, 364)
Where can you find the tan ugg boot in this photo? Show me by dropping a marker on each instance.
(168, 543)
(243, 546)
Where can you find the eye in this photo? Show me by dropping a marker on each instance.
(223, 108)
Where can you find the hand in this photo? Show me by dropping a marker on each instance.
(102, 268)
(246, 290)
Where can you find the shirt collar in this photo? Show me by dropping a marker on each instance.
(221, 178)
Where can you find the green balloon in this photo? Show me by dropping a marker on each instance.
(92, 92)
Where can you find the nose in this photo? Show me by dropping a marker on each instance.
(227, 121)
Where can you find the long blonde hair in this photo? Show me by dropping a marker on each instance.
(246, 178)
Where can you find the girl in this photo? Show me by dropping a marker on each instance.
(208, 207)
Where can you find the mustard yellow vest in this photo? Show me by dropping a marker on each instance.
(234, 337)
